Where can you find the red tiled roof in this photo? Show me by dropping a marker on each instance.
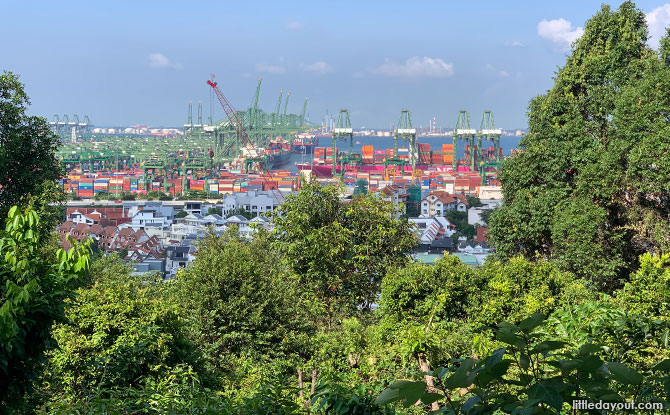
(482, 234)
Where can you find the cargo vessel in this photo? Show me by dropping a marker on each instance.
(279, 154)
(305, 143)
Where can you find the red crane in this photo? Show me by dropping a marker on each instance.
(253, 152)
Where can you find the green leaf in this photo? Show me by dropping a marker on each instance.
(590, 348)
(409, 391)
(462, 378)
(590, 363)
(531, 322)
(428, 398)
(524, 361)
(624, 374)
(546, 394)
(470, 403)
(663, 366)
(510, 338)
(548, 346)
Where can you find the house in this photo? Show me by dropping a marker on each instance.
(439, 203)
(106, 238)
(100, 216)
(152, 214)
(398, 196)
(194, 224)
(436, 246)
(150, 265)
(88, 219)
(475, 216)
(490, 193)
(427, 229)
(473, 247)
(178, 256)
(193, 207)
(254, 202)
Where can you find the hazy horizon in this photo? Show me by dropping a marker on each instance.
(126, 64)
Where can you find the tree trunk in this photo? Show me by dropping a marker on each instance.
(425, 367)
(301, 392)
(314, 375)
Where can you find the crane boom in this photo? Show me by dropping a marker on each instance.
(239, 129)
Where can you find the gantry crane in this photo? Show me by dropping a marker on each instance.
(462, 131)
(343, 131)
(405, 131)
(249, 145)
(489, 132)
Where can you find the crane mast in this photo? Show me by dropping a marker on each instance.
(239, 129)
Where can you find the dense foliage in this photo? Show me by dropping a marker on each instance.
(31, 296)
(587, 188)
(28, 165)
(121, 335)
(327, 314)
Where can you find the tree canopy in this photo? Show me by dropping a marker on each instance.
(587, 188)
(28, 164)
(34, 285)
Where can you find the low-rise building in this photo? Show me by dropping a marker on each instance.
(439, 203)
(254, 202)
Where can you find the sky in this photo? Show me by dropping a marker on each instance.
(139, 62)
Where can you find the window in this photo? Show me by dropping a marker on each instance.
(268, 207)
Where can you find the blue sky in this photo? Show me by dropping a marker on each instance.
(125, 63)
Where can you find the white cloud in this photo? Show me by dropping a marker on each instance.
(657, 20)
(514, 44)
(559, 31)
(293, 25)
(273, 69)
(319, 67)
(417, 67)
(500, 72)
(158, 60)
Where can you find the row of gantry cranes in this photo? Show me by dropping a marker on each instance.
(212, 144)
(73, 128)
(476, 157)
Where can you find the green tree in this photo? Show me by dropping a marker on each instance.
(28, 165)
(241, 212)
(214, 211)
(339, 252)
(485, 215)
(423, 309)
(584, 189)
(648, 291)
(515, 289)
(35, 283)
(460, 220)
(473, 201)
(547, 375)
(123, 333)
(241, 309)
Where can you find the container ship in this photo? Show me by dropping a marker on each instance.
(278, 153)
(305, 143)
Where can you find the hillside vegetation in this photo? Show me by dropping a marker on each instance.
(329, 315)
